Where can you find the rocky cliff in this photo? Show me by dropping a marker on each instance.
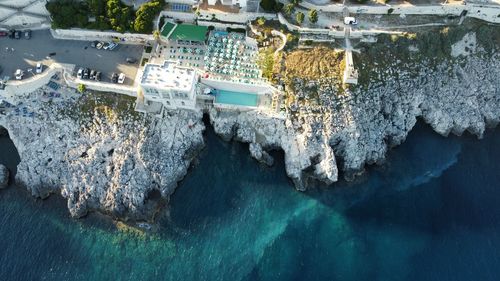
(345, 130)
(99, 154)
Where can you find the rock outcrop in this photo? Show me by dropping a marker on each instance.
(4, 176)
(102, 158)
(361, 125)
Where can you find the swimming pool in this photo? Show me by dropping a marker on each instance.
(236, 98)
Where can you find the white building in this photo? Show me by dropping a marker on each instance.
(169, 84)
(241, 3)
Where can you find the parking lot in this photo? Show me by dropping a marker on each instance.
(42, 47)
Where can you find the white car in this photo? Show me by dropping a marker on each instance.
(350, 21)
(19, 74)
(79, 74)
(39, 68)
(121, 78)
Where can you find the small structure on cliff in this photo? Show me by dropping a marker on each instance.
(350, 72)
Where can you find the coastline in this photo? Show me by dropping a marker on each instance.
(101, 156)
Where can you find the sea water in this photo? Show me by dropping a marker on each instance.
(431, 212)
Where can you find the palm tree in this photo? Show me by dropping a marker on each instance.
(300, 17)
(156, 35)
(289, 9)
(313, 16)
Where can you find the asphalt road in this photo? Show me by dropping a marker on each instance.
(24, 54)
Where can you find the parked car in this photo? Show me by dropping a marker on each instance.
(98, 76)
(92, 74)
(350, 21)
(3, 33)
(112, 46)
(94, 44)
(131, 60)
(105, 46)
(121, 78)
(19, 74)
(11, 33)
(114, 78)
(39, 68)
(99, 45)
(86, 73)
(17, 34)
(79, 74)
(27, 34)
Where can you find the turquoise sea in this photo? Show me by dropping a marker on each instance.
(432, 212)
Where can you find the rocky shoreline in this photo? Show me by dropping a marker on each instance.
(122, 165)
(101, 155)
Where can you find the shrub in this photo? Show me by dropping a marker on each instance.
(271, 5)
(81, 88)
(313, 16)
(390, 11)
(300, 18)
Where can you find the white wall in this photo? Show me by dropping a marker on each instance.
(88, 35)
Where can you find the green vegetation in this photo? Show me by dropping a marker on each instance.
(81, 88)
(390, 11)
(68, 13)
(300, 18)
(261, 21)
(296, 2)
(266, 62)
(433, 48)
(316, 63)
(271, 5)
(313, 16)
(146, 14)
(104, 15)
(289, 9)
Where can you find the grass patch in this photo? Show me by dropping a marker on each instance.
(314, 64)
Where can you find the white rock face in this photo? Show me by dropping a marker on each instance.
(4, 176)
(104, 161)
(466, 46)
(361, 127)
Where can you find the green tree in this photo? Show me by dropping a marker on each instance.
(313, 16)
(120, 16)
(68, 13)
(261, 21)
(296, 2)
(300, 17)
(145, 15)
(81, 88)
(271, 5)
(289, 9)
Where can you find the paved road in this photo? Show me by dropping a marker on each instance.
(28, 52)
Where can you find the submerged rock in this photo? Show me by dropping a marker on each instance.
(4, 176)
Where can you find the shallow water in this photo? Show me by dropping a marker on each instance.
(430, 213)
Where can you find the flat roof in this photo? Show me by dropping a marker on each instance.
(185, 32)
(168, 76)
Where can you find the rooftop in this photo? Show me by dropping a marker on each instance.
(188, 32)
(168, 76)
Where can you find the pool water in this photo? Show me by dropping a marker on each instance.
(236, 98)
